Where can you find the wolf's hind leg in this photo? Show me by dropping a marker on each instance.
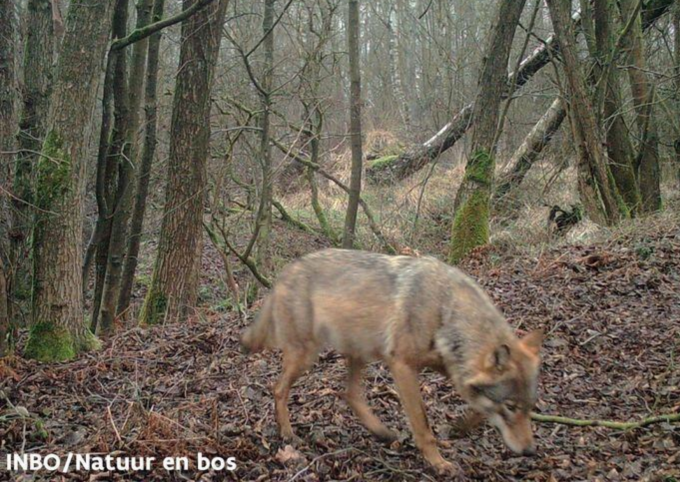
(295, 362)
(406, 379)
(358, 404)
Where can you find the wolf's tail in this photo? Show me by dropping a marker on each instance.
(255, 338)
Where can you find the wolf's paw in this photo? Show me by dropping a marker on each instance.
(291, 439)
(444, 467)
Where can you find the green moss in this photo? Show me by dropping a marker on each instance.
(480, 168)
(48, 342)
(625, 209)
(53, 172)
(155, 306)
(88, 342)
(470, 226)
(382, 163)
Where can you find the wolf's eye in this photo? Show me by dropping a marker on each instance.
(510, 406)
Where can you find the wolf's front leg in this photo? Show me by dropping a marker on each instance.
(406, 379)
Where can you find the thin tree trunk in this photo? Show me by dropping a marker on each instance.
(116, 164)
(264, 213)
(58, 331)
(174, 282)
(144, 172)
(353, 28)
(417, 158)
(471, 207)
(532, 146)
(128, 158)
(598, 191)
(648, 164)
(35, 96)
(8, 92)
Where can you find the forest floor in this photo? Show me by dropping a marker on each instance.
(611, 311)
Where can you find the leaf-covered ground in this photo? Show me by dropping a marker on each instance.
(611, 311)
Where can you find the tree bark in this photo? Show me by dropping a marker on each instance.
(116, 170)
(597, 188)
(353, 28)
(35, 96)
(144, 172)
(174, 282)
(533, 144)
(58, 331)
(8, 91)
(414, 160)
(471, 207)
(619, 145)
(264, 213)
(129, 127)
(647, 164)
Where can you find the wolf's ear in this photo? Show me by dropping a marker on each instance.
(499, 358)
(532, 341)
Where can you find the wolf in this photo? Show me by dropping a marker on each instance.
(410, 313)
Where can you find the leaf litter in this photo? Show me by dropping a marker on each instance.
(611, 312)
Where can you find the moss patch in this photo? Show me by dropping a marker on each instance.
(470, 226)
(480, 167)
(382, 163)
(155, 306)
(49, 343)
(53, 172)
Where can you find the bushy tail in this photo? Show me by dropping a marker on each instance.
(255, 338)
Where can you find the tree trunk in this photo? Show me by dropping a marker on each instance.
(527, 153)
(597, 188)
(116, 153)
(264, 213)
(471, 207)
(647, 165)
(144, 172)
(129, 127)
(174, 282)
(35, 96)
(8, 92)
(412, 161)
(58, 331)
(619, 145)
(353, 28)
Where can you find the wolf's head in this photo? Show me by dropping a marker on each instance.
(504, 389)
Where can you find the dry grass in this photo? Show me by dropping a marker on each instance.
(417, 212)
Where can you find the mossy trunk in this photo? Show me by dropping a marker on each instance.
(174, 283)
(620, 151)
(471, 220)
(39, 45)
(471, 207)
(58, 330)
(144, 171)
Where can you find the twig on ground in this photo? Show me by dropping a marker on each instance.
(668, 418)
